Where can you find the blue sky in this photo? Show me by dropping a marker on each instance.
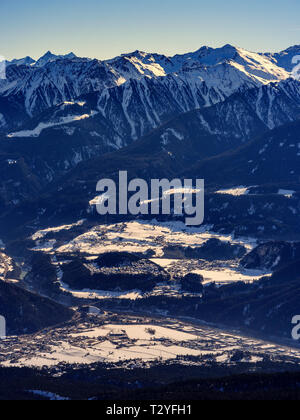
(104, 29)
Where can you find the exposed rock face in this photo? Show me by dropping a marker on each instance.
(272, 255)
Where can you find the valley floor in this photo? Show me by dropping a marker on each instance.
(132, 341)
(140, 333)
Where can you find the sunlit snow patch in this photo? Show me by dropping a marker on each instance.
(42, 126)
(227, 275)
(287, 193)
(237, 191)
(40, 234)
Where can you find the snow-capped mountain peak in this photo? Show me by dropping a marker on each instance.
(284, 59)
(137, 80)
(26, 61)
(49, 57)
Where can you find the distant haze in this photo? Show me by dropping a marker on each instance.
(102, 29)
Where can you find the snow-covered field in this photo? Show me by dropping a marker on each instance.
(143, 237)
(137, 339)
(136, 236)
(227, 275)
(102, 294)
(139, 332)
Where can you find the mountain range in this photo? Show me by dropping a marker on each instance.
(215, 113)
(225, 115)
(60, 110)
(193, 80)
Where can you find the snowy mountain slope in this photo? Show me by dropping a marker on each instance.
(137, 106)
(28, 312)
(79, 132)
(203, 132)
(49, 57)
(26, 61)
(276, 103)
(58, 81)
(163, 153)
(53, 79)
(259, 66)
(134, 108)
(272, 158)
(284, 58)
(145, 104)
(75, 131)
(189, 107)
(270, 162)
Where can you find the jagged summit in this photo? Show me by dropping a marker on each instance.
(27, 61)
(285, 58)
(136, 53)
(206, 55)
(293, 48)
(184, 81)
(49, 57)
